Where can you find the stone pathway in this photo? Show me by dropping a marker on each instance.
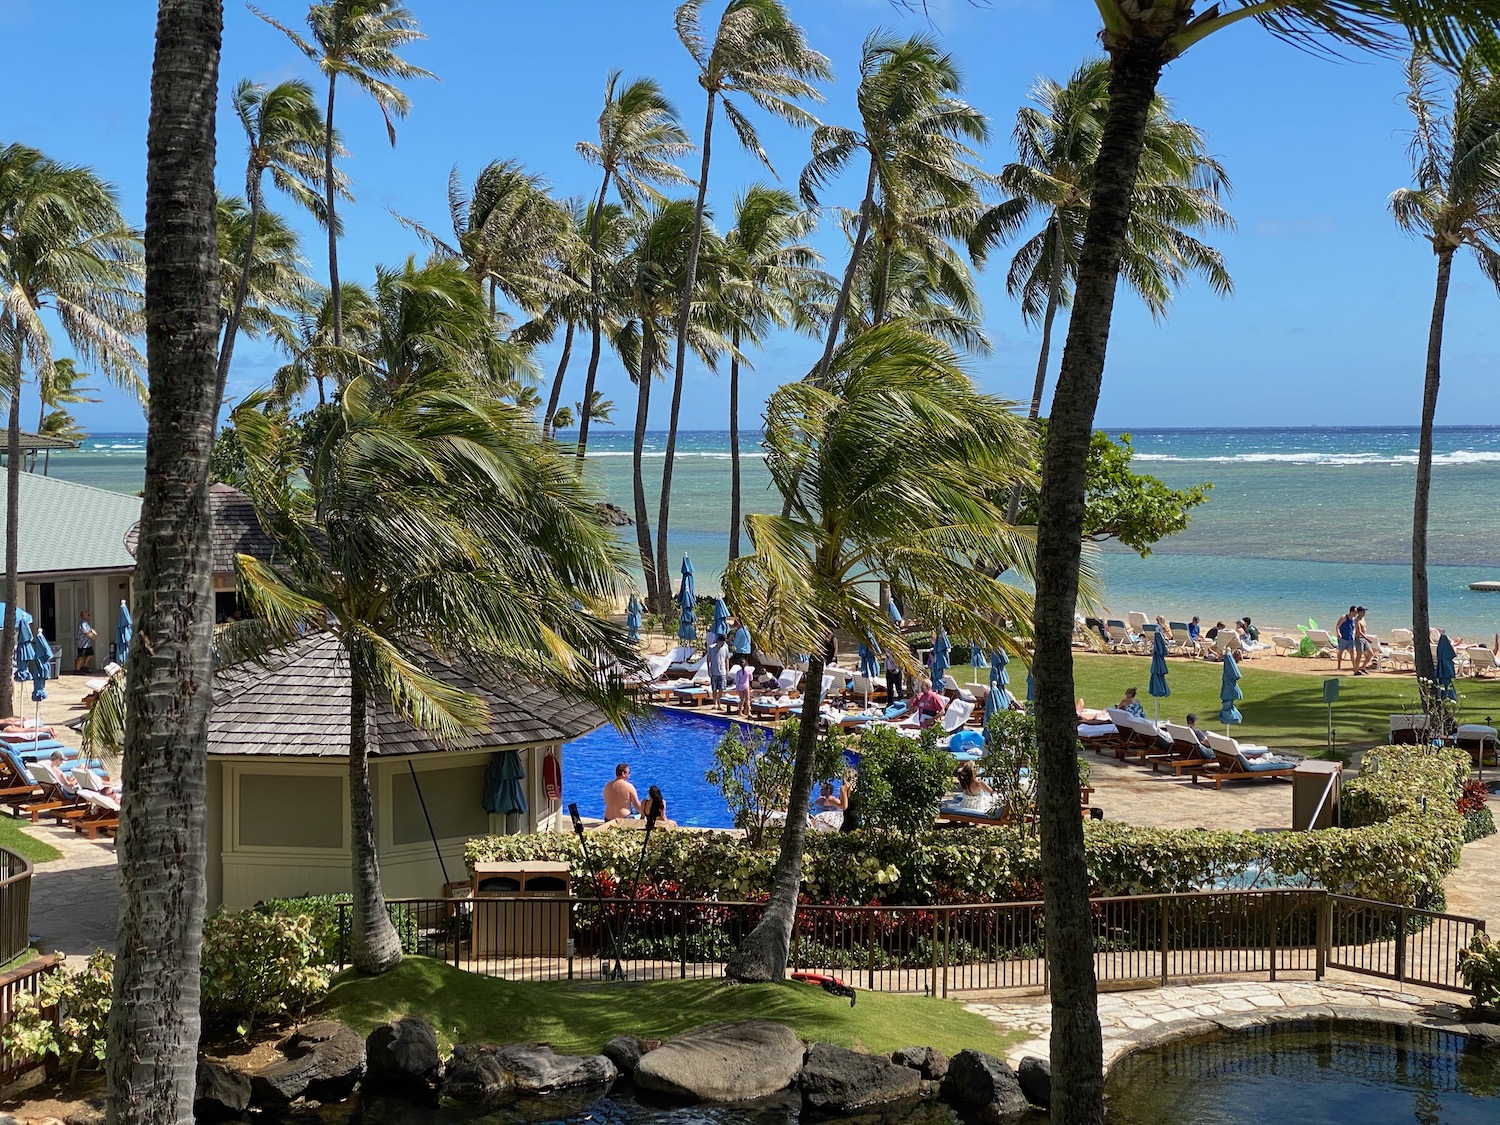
(74, 899)
(1132, 1020)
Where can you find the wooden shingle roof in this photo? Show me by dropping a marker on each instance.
(297, 705)
(234, 529)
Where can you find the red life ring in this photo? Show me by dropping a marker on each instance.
(551, 777)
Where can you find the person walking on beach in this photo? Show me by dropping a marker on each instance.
(85, 639)
(1344, 630)
(1365, 648)
(718, 666)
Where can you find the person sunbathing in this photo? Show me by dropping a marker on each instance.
(974, 794)
(928, 706)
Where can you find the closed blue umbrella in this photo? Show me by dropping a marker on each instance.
(894, 610)
(740, 644)
(1030, 687)
(503, 792)
(124, 628)
(999, 675)
(41, 666)
(1446, 669)
(721, 618)
(633, 619)
(1158, 686)
(24, 646)
(869, 657)
(687, 624)
(940, 650)
(1229, 691)
(687, 601)
(995, 702)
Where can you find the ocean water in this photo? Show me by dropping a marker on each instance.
(1300, 523)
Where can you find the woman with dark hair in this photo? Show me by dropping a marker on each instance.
(657, 803)
(974, 794)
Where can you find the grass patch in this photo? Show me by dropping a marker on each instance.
(15, 838)
(579, 1018)
(1283, 710)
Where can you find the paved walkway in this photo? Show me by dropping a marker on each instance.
(1132, 1020)
(74, 899)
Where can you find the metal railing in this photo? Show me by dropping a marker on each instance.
(24, 980)
(938, 950)
(15, 905)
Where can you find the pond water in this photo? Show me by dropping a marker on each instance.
(1311, 1071)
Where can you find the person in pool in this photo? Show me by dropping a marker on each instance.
(620, 798)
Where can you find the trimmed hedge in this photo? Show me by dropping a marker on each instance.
(1399, 854)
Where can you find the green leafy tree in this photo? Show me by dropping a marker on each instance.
(360, 40)
(1009, 766)
(1455, 154)
(1141, 37)
(58, 387)
(901, 782)
(754, 772)
(896, 416)
(431, 517)
(639, 141)
(272, 271)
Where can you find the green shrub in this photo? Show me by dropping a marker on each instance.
(1479, 965)
(901, 782)
(77, 1036)
(323, 912)
(258, 964)
(754, 772)
(1009, 764)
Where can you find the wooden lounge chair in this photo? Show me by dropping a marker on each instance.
(17, 789)
(1139, 737)
(101, 815)
(1239, 763)
(1187, 755)
(58, 799)
(1480, 741)
(773, 708)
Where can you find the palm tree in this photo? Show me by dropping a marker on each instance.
(360, 39)
(154, 1024)
(895, 415)
(314, 359)
(915, 132)
(771, 278)
(1141, 37)
(602, 410)
(433, 518)
(639, 138)
(57, 386)
(272, 271)
(929, 285)
(1455, 204)
(757, 52)
(1178, 190)
(286, 139)
(569, 307)
(65, 246)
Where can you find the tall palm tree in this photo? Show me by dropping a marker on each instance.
(760, 54)
(639, 139)
(771, 279)
(895, 415)
(313, 357)
(1455, 204)
(915, 133)
(58, 387)
(63, 245)
(570, 307)
(929, 285)
(1179, 189)
(362, 40)
(1141, 38)
(285, 138)
(433, 518)
(268, 278)
(152, 1053)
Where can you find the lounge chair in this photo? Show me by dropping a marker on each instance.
(1120, 638)
(1182, 640)
(1323, 642)
(682, 661)
(1187, 755)
(59, 798)
(1480, 741)
(102, 814)
(1283, 645)
(790, 679)
(1410, 730)
(1137, 623)
(1481, 661)
(17, 788)
(950, 685)
(775, 708)
(1402, 651)
(1239, 763)
(1142, 738)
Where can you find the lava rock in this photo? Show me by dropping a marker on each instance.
(983, 1087)
(474, 1074)
(220, 1094)
(402, 1056)
(724, 1062)
(324, 1062)
(930, 1063)
(1035, 1077)
(838, 1080)
(1489, 1032)
(625, 1051)
(535, 1068)
(611, 515)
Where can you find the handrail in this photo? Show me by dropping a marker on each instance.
(1477, 923)
(8, 860)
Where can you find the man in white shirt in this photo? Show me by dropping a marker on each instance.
(85, 646)
(718, 666)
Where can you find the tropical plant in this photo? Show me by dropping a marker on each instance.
(639, 139)
(1141, 38)
(759, 53)
(361, 40)
(930, 287)
(66, 1017)
(285, 138)
(431, 518)
(754, 773)
(1009, 766)
(63, 246)
(58, 386)
(258, 964)
(271, 270)
(314, 356)
(602, 410)
(895, 416)
(901, 783)
(915, 132)
(1455, 155)
(162, 849)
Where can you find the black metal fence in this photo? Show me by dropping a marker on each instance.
(15, 905)
(938, 950)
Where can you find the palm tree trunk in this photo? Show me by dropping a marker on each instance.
(12, 529)
(684, 319)
(1076, 1048)
(1054, 298)
(329, 190)
(883, 277)
(734, 447)
(586, 407)
(152, 1050)
(376, 948)
(655, 595)
(1420, 622)
(557, 381)
(241, 290)
(842, 302)
(762, 956)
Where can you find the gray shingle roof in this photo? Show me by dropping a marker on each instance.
(68, 526)
(233, 525)
(297, 705)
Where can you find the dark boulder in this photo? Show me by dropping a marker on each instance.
(323, 1062)
(1035, 1077)
(611, 515)
(221, 1093)
(931, 1064)
(536, 1068)
(983, 1087)
(724, 1062)
(625, 1051)
(838, 1080)
(402, 1057)
(474, 1074)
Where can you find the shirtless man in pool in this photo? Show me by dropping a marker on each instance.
(620, 797)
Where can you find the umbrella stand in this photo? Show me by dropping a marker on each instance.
(421, 800)
(617, 973)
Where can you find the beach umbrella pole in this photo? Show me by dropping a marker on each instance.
(616, 973)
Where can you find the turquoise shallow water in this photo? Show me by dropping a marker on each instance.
(1301, 522)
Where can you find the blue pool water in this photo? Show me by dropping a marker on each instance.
(673, 751)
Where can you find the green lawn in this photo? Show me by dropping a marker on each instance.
(1283, 710)
(580, 1018)
(12, 836)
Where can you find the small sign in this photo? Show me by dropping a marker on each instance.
(1330, 691)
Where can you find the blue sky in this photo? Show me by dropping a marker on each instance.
(1327, 327)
